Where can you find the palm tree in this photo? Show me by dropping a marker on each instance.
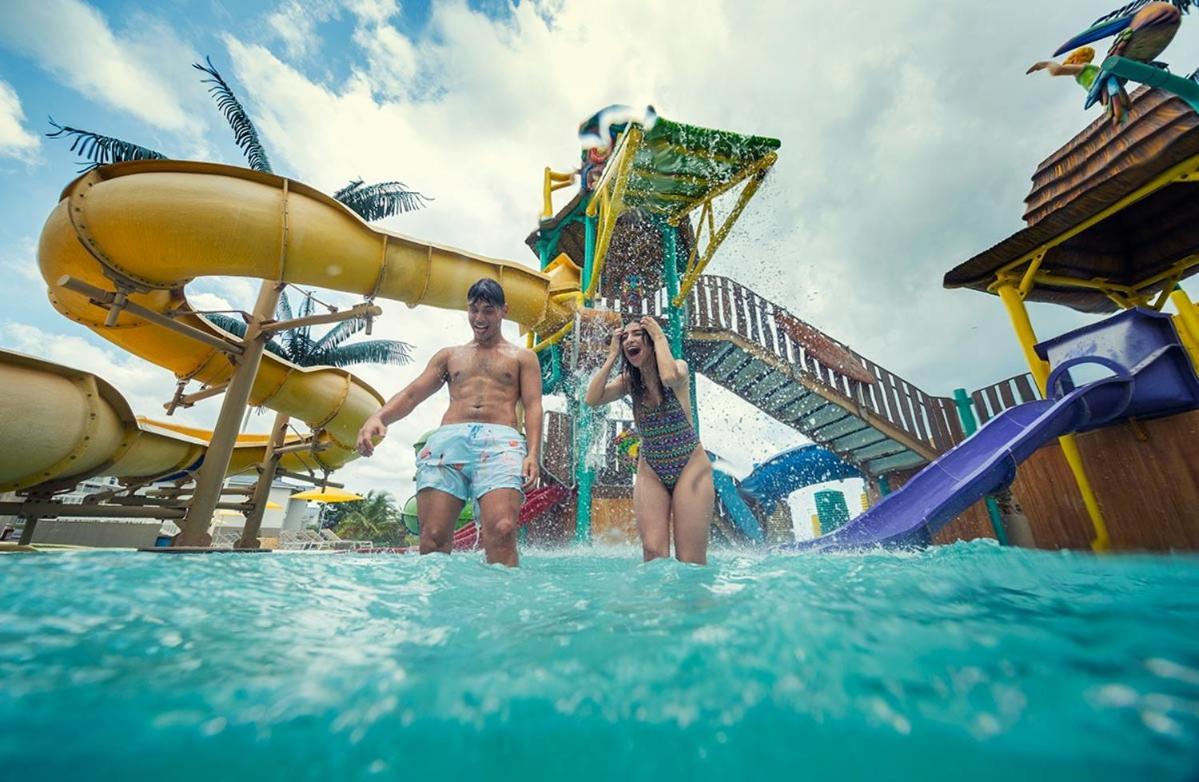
(375, 518)
(371, 202)
(299, 347)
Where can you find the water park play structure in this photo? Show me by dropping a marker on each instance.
(635, 239)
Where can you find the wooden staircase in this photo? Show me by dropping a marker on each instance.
(733, 338)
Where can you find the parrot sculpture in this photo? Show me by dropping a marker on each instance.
(1143, 29)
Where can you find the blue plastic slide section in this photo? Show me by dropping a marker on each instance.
(1161, 381)
(738, 510)
(793, 469)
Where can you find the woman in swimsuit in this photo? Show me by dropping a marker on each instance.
(673, 492)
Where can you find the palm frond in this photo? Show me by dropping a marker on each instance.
(244, 132)
(99, 150)
(283, 311)
(375, 351)
(308, 306)
(283, 308)
(302, 343)
(339, 334)
(384, 199)
(237, 327)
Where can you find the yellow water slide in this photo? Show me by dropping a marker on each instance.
(144, 230)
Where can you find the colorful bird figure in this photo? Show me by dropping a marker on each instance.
(1143, 30)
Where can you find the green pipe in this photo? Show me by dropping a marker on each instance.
(969, 427)
(584, 475)
(671, 263)
(588, 253)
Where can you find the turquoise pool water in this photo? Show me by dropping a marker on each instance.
(966, 662)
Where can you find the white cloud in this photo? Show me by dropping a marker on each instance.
(294, 23)
(15, 140)
(908, 141)
(74, 41)
(862, 214)
(20, 261)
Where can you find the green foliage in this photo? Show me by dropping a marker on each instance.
(371, 202)
(244, 132)
(300, 348)
(98, 150)
(385, 199)
(375, 518)
(237, 327)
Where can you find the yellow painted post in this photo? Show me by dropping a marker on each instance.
(1014, 302)
(1009, 294)
(816, 525)
(1188, 319)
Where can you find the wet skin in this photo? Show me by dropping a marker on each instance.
(487, 377)
(685, 514)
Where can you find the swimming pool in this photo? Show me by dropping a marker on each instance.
(967, 661)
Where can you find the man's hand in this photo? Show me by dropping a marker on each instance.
(531, 471)
(650, 324)
(372, 430)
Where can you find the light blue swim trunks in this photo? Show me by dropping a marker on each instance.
(469, 460)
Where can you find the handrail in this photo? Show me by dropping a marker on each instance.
(554, 180)
(720, 304)
(990, 401)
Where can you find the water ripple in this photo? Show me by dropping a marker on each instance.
(987, 661)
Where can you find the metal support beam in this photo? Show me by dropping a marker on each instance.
(307, 446)
(363, 311)
(187, 400)
(299, 476)
(114, 302)
(262, 489)
(211, 474)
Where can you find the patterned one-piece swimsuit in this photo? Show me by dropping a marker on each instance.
(667, 437)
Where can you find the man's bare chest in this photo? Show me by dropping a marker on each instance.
(489, 366)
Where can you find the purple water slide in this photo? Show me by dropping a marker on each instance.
(1151, 377)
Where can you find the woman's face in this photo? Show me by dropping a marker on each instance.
(634, 345)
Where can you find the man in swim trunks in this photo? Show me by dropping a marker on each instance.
(477, 454)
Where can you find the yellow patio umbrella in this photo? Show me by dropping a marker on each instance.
(273, 506)
(327, 494)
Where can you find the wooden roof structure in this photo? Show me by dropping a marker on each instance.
(1113, 216)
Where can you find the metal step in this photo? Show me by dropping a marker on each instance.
(899, 461)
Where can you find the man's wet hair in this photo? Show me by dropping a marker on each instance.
(486, 290)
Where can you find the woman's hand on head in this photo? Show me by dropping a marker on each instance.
(650, 324)
(614, 344)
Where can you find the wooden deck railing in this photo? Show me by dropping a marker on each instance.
(992, 400)
(720, 304)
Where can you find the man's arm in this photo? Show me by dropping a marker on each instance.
(403, 403)
(530, 397)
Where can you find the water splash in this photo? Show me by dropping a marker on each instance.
(992, 662)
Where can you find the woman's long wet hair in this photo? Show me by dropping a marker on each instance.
(633, 379)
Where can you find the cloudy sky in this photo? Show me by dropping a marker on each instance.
(908, 138)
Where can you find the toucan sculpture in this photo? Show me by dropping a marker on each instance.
(1143, 29)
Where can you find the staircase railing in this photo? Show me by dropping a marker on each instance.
(720, 304)
(990, 401)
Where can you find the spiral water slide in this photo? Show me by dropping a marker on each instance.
(140, 232)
